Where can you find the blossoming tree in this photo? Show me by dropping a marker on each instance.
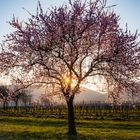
(65, 45)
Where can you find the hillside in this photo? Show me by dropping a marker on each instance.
(85, 95)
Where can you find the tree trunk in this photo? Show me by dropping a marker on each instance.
(71, 118)
(16, 103)
(5, 104)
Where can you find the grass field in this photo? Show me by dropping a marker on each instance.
(29, 128)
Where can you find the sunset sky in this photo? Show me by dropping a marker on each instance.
(127, 9)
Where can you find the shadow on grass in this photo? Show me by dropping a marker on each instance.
(34, 122)
(26, 135)
(63, 123)
(60, 124)
(110, 125)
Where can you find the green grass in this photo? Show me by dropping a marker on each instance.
(29, 128)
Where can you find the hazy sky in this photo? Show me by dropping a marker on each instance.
(129, 11)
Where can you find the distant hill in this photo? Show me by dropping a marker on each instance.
(85, 95)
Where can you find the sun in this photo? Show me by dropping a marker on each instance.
(67, 80)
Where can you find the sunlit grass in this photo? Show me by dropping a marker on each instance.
(29, 128)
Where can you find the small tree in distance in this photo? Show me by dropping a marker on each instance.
(4, 96)
(68, 44)
(15, 95)
(26, 98)
(20, 96)
(44, 100)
